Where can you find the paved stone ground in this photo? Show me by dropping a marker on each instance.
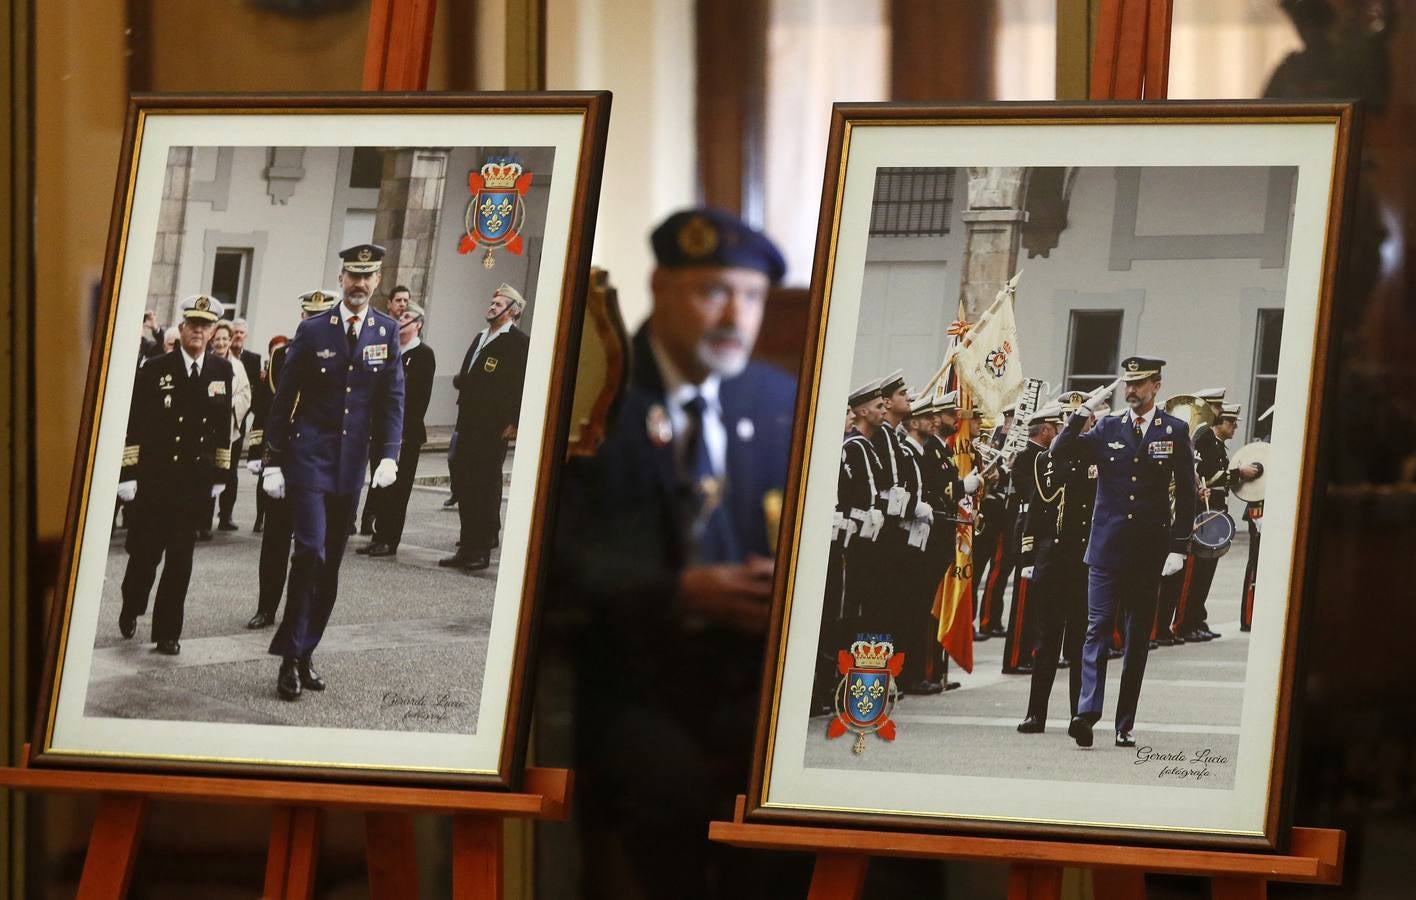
(405, 649)
(1190, 702)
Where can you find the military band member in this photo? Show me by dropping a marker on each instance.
(340, 394)
(1021, 637)
(993, 546)
(175, 462)
(419, 364)
(1140, 455)
(277, 532)
(1055, 537)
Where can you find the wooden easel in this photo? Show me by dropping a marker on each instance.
(1118, 872)
(1131, 61)
(477, 820)
(396, 59)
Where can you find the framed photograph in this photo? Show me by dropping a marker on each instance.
(327, 403)
(1062, 407)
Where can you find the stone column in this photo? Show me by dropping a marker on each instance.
(171, 219)
(993, 226)
(406, 224)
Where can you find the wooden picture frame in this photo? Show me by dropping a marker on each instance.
(271, 188)
(1183, 226)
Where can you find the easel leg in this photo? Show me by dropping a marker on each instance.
(294, 851)
(838, 876)
(113, 845)
(1238, 889)
(1118, 884)
(476, 857)
(1035, 883)
(393, 869)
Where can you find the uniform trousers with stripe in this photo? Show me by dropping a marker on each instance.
(1124, 595)
(1060, 605)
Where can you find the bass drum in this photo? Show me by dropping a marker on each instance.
(1212, 534)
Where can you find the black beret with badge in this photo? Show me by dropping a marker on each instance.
(707, 237)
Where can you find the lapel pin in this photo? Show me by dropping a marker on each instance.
(745, 429)
(656, 423)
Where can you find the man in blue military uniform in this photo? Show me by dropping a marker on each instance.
(339, 399)
(1143, 458)
(175, 461)
(664, 546)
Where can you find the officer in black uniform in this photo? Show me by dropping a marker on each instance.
(419, 365)
(994, 551)
(174, 463)
(1022, 632)
(943, 491)
(276, 534)
(1055, 538)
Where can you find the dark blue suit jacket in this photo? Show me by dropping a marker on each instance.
(1132, 523)
(333, 411)
(621, 540)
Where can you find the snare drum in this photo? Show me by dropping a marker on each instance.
(1212, 534)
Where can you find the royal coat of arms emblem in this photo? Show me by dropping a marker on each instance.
(866, 694)
(496, 211)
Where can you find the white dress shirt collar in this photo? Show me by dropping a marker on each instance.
(678, 391)
(188, 361)
(345, 312)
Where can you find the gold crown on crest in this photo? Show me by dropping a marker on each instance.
(501, 174)
(872, 654)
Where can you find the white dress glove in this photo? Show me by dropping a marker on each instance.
(274, 483)
(254, 467)
(1173, 563)
(923, 511)
(1258, 523)
(386, 474)
(1027, 572)
(216, 490)
(1100, 399)
(127, 490)
(972, 482)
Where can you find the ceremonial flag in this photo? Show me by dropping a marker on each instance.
(987, 360)
(953, 600)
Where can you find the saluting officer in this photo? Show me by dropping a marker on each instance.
(175, 462)
(276, 533)
(1140, 455)
(1055, 539)
(342, 368)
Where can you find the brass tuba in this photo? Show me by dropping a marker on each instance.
(1196, 411)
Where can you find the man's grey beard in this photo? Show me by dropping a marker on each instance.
(355, 304)
(724, 365)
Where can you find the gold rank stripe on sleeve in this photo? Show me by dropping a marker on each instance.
(223, 458)
(130, 455)
(1027, 543)
(257, 436)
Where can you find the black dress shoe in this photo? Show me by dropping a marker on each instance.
(952, 685)
(1125, 739)
(1080, 730)
(261, 620)
(981, 635)
(378, 549)
(1025, 669)
(997, 631)
(364, 550)
(478, 563)
(127, 625)
(1063, 664)
(924, 688)
(1212, 634)
(204, 534)
(227, 525)
(1245, 628)
(458, 560)
(168, 648)
(1114, 653)
(310, 680)
(1032, 725)
(1152, 645)
(287, 684)
(1164, 641)
(449, 502)
(1178, 638)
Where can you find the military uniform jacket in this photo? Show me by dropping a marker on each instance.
(1212, 467)
(489, 388)
(262, 394)
(419, 364)
(1061, 510)
(943, 488)
(1133, 516)
(1023, 476)
(334, 409)
(179, 428)
(859, 484)
(898, 470)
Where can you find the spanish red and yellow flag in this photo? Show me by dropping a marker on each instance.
(953, 601)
